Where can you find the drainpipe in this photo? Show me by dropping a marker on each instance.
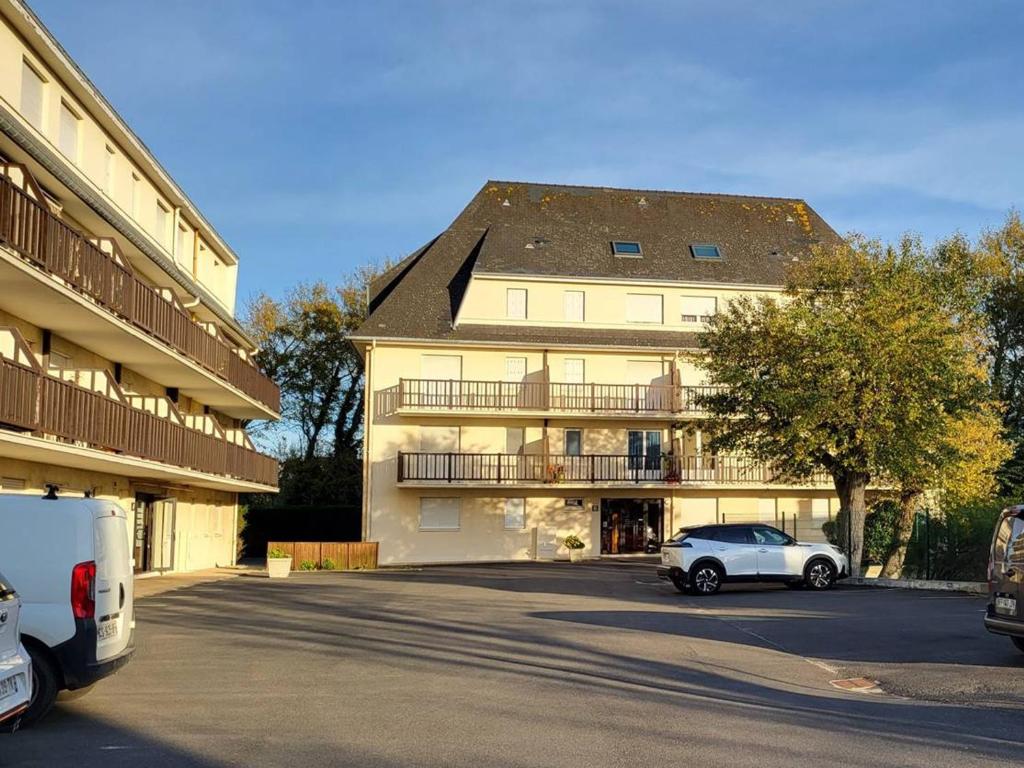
(367, 431)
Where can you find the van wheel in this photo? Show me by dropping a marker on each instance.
(45, 686)
(820, 574)
(705, 579)
(1019, 642)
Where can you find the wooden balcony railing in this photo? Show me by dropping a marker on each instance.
(36, 401)
(498, 396)
(506, 468)
(26, 226)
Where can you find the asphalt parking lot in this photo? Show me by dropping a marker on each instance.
(541, 665)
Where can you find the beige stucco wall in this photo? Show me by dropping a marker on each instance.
(392, 512)
(204, 531)
(604, 302)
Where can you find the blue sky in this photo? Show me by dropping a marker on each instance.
(320, 135)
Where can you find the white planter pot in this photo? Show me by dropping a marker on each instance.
(576, 555)
(279, 567)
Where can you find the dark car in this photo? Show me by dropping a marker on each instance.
(1005, 615)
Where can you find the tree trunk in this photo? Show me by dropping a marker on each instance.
(909, 499)
(851, 487)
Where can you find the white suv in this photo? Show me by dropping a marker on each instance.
(701, 559)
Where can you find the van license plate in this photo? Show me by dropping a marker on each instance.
(107, 630)
(9, 686)
(1007, 605)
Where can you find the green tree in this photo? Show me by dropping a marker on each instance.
(305, 349)
(857, 370)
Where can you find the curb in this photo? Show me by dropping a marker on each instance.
(971, 587)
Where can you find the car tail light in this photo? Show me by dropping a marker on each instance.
(83, 590)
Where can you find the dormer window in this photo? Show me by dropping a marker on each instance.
(628, 249)
(705, 251)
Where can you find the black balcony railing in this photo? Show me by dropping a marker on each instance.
(501, 396)
(508, 468)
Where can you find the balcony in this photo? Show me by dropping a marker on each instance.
(82, 418)
(95, 271)
(543, 398)
(490, 469)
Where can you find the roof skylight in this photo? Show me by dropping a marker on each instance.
(627, 248)
(705, 251)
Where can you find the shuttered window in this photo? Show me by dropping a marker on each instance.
(697, 309)
(515, 514)
(515, 368)
(163, 222)
(68, 141)
(644, 308)
(31, 95)
(574, 370)
(515, 304)
(573, 305)
(438, 514)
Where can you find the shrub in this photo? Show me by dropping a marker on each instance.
(879, 531)
(307, 565)
(572, 541)
(328, 565)
(954, 544)
(278, 552)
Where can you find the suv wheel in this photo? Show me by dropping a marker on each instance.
(1019, 642)
(820, 574)
(706, 579)
(679, 582)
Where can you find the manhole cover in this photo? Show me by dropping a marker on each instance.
(857, 685)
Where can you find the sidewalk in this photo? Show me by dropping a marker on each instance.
(147, 586)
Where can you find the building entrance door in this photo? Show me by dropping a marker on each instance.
(153, 540)
(631, 525)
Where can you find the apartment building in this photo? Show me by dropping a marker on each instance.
(532, 372)
(123, 372)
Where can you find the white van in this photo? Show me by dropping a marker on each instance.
(70, 561)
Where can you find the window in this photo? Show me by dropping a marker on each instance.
(628, 248)
(60, 360)
(68, 140)
(701, 251)
(733, 535)
(515, 514)
(12, 483)
(574, 442)
(515, 440)
(163, 220)
(1015, 548)
(439, 514)
(573, 306)
(439, 439)
(32, 84)
(574, 370)
(108, 171)
(444, 367)
(515, 369)
(771, 536)
(644, 450)
(515, 304)
(697, 309)
(182, 243)
(644, 308)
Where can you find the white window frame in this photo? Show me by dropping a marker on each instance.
(509, 314)
(568, 305)
(572, 361)
(70, 152)
(456, 503)
(565, 441)
(38, 120)
(516, 360)
(641, 318)
(514, 514)
(696, 317)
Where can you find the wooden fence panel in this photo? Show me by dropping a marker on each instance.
(347, 555)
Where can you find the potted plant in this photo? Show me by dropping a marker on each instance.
(279, 563)
(556, 473)
(575, 546)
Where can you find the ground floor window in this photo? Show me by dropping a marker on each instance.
(515, 514)
(439, 514)
(631, 525)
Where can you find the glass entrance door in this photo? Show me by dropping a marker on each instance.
(630, 526)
